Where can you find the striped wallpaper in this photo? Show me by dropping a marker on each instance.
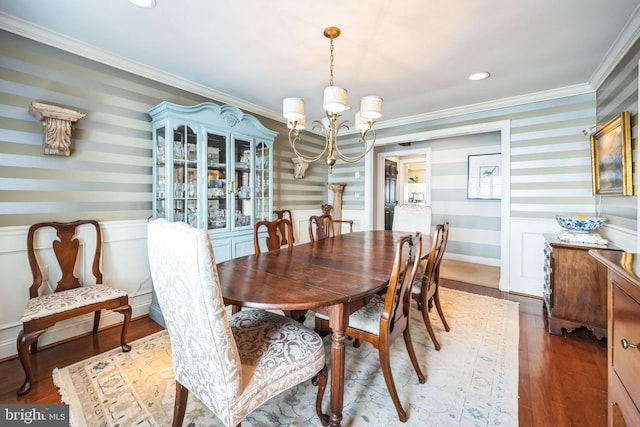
(109, 174)
(619, 92)
(108, 177)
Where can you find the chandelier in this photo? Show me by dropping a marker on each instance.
(334, 103)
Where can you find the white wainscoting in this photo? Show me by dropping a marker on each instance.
(527, 254)
(527, 251)
(301, 222)
(124, 266)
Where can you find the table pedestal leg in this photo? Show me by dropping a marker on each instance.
(338, 324)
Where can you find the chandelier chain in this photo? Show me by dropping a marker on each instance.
(331, 63)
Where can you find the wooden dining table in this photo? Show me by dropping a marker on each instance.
(332, 276)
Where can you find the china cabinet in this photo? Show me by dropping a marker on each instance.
(212, 168)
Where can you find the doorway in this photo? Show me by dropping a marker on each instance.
(405, 177)
(390, 191)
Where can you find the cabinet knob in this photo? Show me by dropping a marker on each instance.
(626, 344)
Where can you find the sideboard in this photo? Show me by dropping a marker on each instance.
(623, 346)
(575, 287)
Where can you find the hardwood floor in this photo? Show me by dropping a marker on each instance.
(562, 381)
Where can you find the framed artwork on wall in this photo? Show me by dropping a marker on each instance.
(484, 178)
(611, 157)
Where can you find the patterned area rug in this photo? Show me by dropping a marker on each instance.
(471, 381)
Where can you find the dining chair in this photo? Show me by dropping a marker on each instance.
(279, 233)
(320, 227)
(70, 296)
(412, 218)
(425, 288)
(339, 222)
(273, 240)
(385, 317)
(280, 214)
(232, 364)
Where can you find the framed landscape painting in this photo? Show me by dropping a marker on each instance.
(611, 157)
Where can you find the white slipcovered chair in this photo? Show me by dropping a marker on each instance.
(412, 218)
(233, 364)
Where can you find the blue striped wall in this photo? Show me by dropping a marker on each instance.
(109, 174)
(619, 92)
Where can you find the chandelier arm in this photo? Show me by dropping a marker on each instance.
(368, 146)
(296, 139)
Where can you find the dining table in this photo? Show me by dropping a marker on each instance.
(332, 276)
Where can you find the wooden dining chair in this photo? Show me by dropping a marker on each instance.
(279, 233)
(384, 318)
(232, 364)
(425, 289)
(280, 214)
(338, 224)
(320, 227)
(273, 240)
(70, 297)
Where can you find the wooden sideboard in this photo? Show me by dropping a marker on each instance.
(623, 347)
(575, 287)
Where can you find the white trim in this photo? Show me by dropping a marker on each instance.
(618, 49)
(77, 47)
(29, 30)
(502, 126)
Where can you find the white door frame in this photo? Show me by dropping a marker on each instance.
(502, 126)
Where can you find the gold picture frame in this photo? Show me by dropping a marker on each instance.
(611, 157)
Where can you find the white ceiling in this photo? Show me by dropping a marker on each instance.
(416, 54)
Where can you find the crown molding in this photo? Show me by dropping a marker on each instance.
(625, 40)
(29, 30)
(546, 95)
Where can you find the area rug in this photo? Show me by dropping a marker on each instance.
(472, 381)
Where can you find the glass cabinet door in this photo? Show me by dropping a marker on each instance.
(160, 184)
(263, 211)
(217, 184)
(242, 183)
(185, 175)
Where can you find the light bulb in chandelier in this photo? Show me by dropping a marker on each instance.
(334, 103)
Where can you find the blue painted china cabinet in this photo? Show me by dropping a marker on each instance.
(212, 168)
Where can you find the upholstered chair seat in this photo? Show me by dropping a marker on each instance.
(61, 302)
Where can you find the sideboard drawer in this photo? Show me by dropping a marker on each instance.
(626, 362)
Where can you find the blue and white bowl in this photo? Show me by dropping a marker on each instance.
(579, 224)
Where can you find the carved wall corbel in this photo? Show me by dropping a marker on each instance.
(299, 167)
(58, 124)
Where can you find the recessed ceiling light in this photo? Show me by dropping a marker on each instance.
(480, 76)
(144, 3)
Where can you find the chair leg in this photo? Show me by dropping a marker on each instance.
(22, 343)
(408, 342)
(321, 381)
(436, 299)
(385, 364)
(427, 323)
(179, 405)
(96, 321)
(126, 312)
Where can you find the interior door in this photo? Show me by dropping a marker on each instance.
(390, 191)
